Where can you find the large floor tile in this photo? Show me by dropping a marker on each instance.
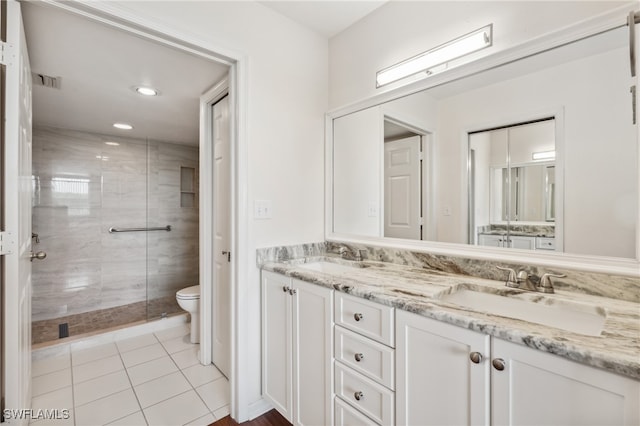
(150, 370)
(97, 368)
(178, 344)
(215, 394)
(83, 356)
(142, 355)
(108, 409)
(172, 333)
(179, 410)
(162, 388)
(49, 365)
(61, 399)
(200, 374)
(137, 342)
(186, 358)
(135, 419)
(100, 387)
(50, 382)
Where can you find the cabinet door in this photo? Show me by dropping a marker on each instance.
(524, 243)
(436, 382)
(538, 388)
(313, 349)
(277, 345)
(490, 240)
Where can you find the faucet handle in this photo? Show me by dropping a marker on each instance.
(511, 278)
(546, 286)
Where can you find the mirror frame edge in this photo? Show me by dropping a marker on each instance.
(599, 264)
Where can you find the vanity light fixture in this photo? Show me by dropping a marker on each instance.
(123, 126)
(437, 57)
(110, 143)
(146, 91)
(544, 155)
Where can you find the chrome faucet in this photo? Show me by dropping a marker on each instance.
(523, 280)
(343, 252)
(361, 255)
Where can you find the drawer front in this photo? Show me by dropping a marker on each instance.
(373, 359)
(367, 396)
(545, 243)
(346, 415)
(367, 318)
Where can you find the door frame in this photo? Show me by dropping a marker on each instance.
(119, 16)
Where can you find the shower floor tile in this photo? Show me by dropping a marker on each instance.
(171, 389)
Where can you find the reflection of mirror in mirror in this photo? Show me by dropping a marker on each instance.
(519, 201)
(589, 192)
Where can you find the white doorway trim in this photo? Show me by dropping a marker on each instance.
(119, 16)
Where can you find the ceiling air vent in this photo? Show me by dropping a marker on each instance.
(46, 80)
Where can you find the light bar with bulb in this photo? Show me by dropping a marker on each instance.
(427, 61)
(544, 155)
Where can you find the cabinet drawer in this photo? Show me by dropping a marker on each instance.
(367, 396)
(370, 358)
(545, 243)
(367, 318)
(346, 415)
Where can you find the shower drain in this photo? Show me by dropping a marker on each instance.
(63, 330)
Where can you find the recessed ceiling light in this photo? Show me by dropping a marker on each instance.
(112, 143)
(123, 126)
(147, 91)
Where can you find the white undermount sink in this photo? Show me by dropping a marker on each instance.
(328, 267)
(574, 317)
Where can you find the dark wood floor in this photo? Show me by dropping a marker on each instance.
(270, 418)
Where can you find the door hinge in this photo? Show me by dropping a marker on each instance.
(421, 156)
(421, 221)
(7, 243)
(4, 52)
(633, 103)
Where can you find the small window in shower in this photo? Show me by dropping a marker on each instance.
(187, 187)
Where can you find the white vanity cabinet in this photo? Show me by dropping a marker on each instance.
(436, 382)
(364, 362)
(513, 241)
(297, 349)
(539, 388)
(439, 382)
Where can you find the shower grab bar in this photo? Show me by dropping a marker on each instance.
(159, 228)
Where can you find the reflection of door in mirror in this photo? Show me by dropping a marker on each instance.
(513, 185)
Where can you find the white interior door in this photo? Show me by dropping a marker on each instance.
(17, 216)
(402, 189)
(222, 242)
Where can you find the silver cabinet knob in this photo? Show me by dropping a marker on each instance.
(39, 255)
(358, 395)
(292, 291)
(359, 357)
(498, 364)
(357, 316)
(475, 357)
(285, 289)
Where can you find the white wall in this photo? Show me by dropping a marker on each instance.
(287, 84)
(401, 29)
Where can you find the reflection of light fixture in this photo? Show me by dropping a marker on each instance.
(544, 155)
(112, 143)
(427, 61)
(123, 126)
(146, 91)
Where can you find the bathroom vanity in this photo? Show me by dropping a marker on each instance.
(372, 342)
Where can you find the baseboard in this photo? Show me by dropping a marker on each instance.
(258, 408)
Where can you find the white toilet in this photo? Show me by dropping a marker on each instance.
(189, 300)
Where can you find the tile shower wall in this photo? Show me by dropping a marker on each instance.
(82, 187)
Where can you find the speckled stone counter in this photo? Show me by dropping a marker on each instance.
(420, 290)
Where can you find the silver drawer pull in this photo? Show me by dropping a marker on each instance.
(358, 395)
(475, 357)
(498, 364)
(285, 289)
(357, 316)
(359, 357)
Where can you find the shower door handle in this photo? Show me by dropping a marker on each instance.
(39, 255)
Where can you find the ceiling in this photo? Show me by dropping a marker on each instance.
(326, 17)
(98, 67)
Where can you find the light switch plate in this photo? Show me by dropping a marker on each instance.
(262, 209)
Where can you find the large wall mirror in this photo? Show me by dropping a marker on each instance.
(537, 154)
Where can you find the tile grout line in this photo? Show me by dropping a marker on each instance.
(133, 389)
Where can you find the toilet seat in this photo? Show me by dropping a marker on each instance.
(189, 293)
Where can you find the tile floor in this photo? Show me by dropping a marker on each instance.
(150, 379)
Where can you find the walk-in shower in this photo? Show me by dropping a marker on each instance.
(118, 219)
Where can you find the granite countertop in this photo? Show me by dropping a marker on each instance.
(418, 290)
